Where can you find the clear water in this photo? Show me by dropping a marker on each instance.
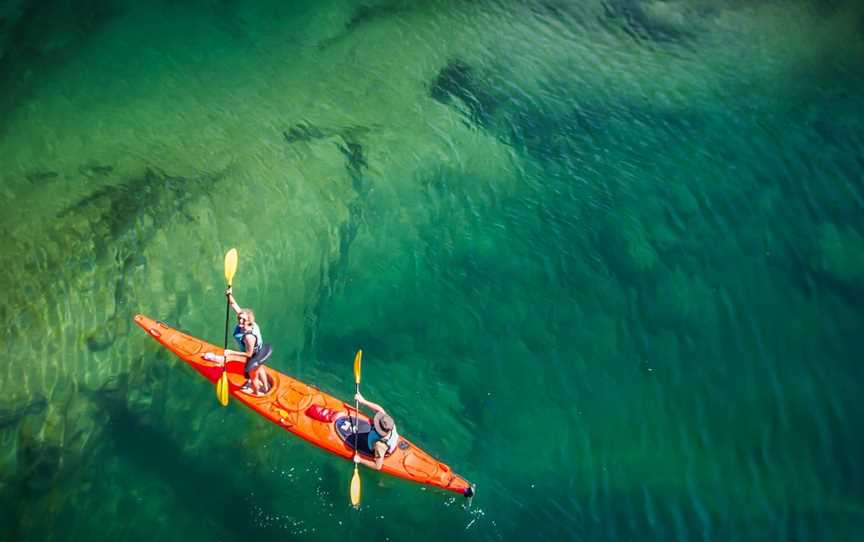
(606, 259)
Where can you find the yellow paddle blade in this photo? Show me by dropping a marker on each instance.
(230, 265)
(357, 359)
(355, 488)
(222, 389)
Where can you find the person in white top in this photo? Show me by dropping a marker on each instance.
(382, 438)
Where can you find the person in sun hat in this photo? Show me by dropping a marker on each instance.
(382, 438)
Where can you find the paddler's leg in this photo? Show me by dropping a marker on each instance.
(262, 378)
(249, 372)
(253, 380)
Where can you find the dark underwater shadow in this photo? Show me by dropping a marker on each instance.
(42, 37)
(207, 489)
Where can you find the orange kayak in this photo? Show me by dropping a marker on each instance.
(297, 407)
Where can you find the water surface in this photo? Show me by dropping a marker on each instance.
(606, 259)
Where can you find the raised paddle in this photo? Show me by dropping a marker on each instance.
(222, 383)
(355, 480)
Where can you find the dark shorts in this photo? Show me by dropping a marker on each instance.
(258, 359)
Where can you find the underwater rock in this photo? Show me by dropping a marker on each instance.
(83, 424)
(118, 207)
(108, 230)
(117, 325)
(364, 15)
(450, 81)
(175, 464)
(39, 37)
(38, 458)
(38, 176)
(99, 341)
(302, 132)
(140, 399)
(95, 170)
(11, 414)
(346, 141)
(657, 20)
(457, 80)
(353, 152)
(305, 132)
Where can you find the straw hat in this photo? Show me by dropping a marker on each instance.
(383, 423)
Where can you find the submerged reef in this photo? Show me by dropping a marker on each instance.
(665, 21)
(11, 414)
(346, 139)
(95, 170)
(39, 176)
(459, 81)
(354, 156)
(366, 14)
(99, 239)
(36, 37)
(304, 132)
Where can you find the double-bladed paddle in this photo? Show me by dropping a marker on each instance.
(222, 383)
(355, 480)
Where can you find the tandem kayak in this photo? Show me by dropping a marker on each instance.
(306, 411)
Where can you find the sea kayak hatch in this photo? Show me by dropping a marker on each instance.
(296, 407)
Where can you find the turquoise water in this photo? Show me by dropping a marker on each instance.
(605, 259)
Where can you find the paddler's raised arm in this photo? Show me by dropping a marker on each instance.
(374, 406)
(233, 302)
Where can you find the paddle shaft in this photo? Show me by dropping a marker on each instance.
(227, 315)
(355, 480)
(356, 417)
(222, 384)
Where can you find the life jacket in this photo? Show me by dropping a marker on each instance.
(240, 333)
(392, 440)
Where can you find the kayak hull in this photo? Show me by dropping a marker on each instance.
(287, 403)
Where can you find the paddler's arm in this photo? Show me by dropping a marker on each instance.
(233, 302)
(380, 451)
(374, 406)
(234, 355)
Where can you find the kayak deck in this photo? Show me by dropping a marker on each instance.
(289, 399)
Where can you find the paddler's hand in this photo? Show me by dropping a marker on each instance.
(358, 397)
(357, 458)
(228, 292)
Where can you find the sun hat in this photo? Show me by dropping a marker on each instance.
(383, 422)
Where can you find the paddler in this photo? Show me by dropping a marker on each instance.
(254, 351)
(382, 438)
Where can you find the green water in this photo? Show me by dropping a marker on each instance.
(606, 260)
